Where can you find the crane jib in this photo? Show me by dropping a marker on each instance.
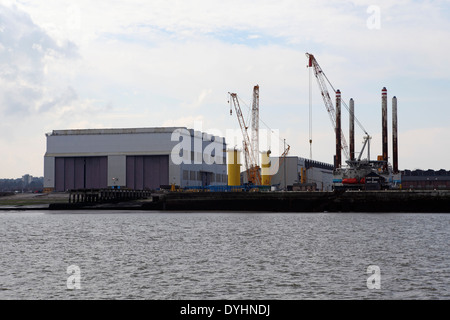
(322, 81)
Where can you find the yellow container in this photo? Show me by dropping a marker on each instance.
(265, 169)
(302, 175)
(234, 168)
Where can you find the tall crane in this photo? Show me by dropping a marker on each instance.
(254, 175)
(321, 80)
(251, 147)
(255, 124)
(354, 175)
(321, 77)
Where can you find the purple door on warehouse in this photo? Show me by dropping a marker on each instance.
(147, 172)
(80, 173)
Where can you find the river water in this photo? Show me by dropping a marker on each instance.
(205, 256)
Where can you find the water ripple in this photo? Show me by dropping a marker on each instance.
(224, 255)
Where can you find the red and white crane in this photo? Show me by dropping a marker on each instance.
(321, 80)
(255, 125)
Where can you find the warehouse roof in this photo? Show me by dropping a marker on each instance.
(113, 131)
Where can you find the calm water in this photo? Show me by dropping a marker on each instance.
(134, 255)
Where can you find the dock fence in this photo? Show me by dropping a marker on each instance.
(107, 195)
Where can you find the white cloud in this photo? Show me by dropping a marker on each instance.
(26, 48)
(424, 146)
(189, 121)
(154, 63)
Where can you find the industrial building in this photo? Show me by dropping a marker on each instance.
(300, 174)
(426, 180)
(135, 158)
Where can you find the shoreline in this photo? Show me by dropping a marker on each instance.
(390, 201)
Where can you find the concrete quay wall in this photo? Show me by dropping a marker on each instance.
(349, 201)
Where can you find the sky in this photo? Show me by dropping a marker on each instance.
(125, 64)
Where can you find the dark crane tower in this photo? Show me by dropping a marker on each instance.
(394, 135)
(338, 161)
(384, 126)
(352, 129)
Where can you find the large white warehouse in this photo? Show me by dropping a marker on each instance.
(139, 158)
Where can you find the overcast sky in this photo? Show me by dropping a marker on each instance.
(123, 64)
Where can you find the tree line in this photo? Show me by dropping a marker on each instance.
(19, 185)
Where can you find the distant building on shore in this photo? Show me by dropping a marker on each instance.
(426, 180)
(26, 179)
